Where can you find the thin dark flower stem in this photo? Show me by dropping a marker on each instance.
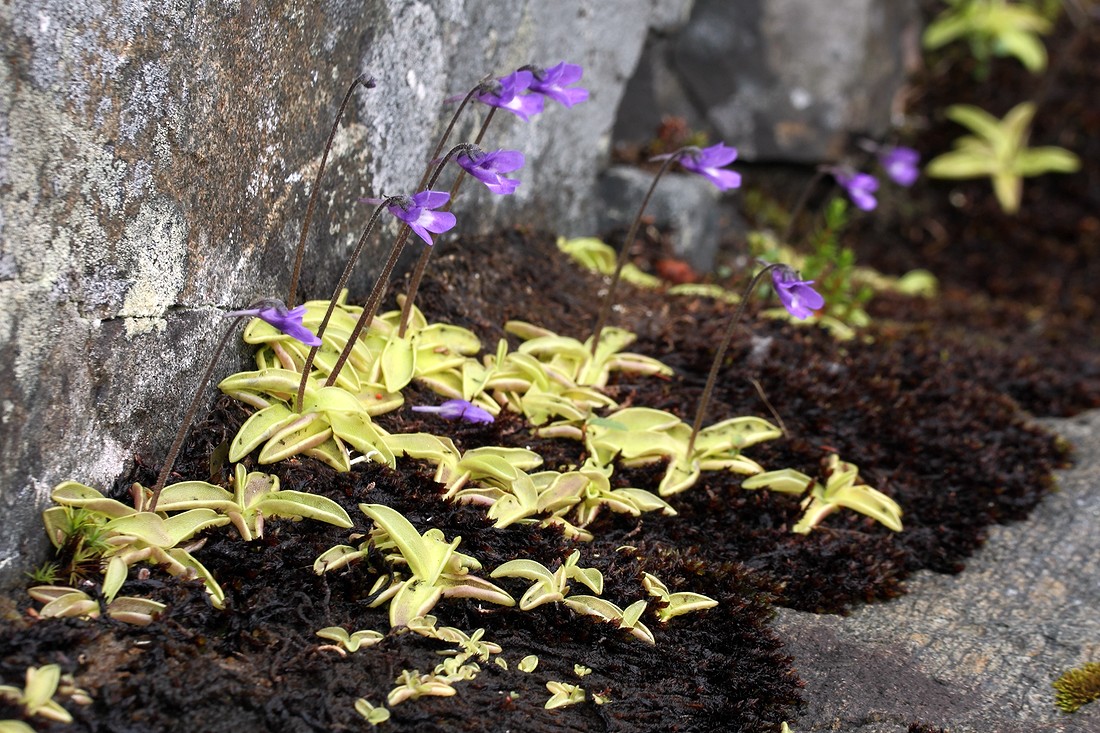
(344, 277)
(189, 416)
(426, 255)
(708, 390)
(800, 205)
(375, 298)
(369, 83)
(447, 133)
(624, 253)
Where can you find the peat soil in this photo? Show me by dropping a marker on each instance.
(932, 402)
(926, 417)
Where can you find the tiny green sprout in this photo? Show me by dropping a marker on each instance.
(677, 604)
(581, 671)
(842, 489)
(1077, 687)
(15, 726)
(36, 695)
(784, 728)
(500, 662)
(469, 645)
(412, 685)
(528, 663)
(998, 149)
(601, 699)
(351, 642)
(45, 574)
(374, 715)
(563, 694)
(992, 27)
(65, 602)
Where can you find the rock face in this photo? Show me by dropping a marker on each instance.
(686, 203)
(781, 80)
(155, 164)
(975, 652)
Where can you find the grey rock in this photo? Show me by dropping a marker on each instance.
(655, 92)
(686, 203)
(789, 80)
(976, 652)
(155, 164)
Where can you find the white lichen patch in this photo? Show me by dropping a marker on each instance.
(159, 235)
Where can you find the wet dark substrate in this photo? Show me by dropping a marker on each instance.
(922, 409)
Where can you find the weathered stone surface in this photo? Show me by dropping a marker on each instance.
(156, 161)
(976, 652)
(781, 80)
(687, 203)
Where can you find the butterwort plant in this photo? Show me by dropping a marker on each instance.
(489, 168)
(796, 295)
(708, 162)
(523, 93)
(271, 310)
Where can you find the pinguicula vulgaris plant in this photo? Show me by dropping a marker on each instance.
(327, 368)
(521, 93)
(708, 162)
(269, 310)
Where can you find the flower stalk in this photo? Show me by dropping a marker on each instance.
(343, 281)
(368, 82)
(426, 254)
(423, 201)
(289, 321)
(797, 297)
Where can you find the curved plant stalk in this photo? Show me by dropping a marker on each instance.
(624, 254)
(375, 298)
(716, 365)
(189, 416)
(426, 253)
(368, 82)
(340, 285)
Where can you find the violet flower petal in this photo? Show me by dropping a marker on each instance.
(553, 83)
(900, 164)
(508, 93)
(458, 410)
(796, 295)
(860, 187)
(416, 211)
(489, 167)
(275, 313)
(709, 163)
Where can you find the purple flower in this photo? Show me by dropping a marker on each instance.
(552, 83)
(861, 187)
(416, 211)
(507, 93)
(900, 164)
(274, 312)
(708, 163)
(489, 167)
(458, 410)
(796, 295)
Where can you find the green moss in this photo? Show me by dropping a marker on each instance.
(1077, 687)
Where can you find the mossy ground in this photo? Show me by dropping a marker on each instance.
(932, 402)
